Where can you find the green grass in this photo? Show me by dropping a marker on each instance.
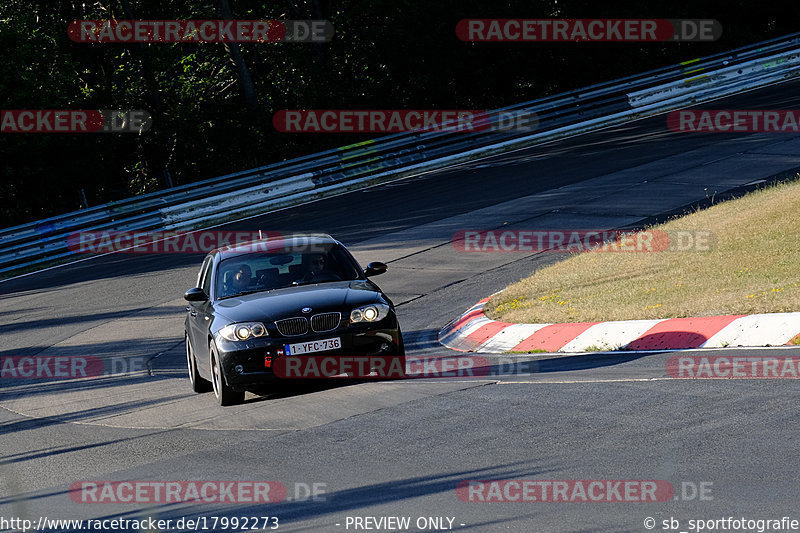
(754, 267)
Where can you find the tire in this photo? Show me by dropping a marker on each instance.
(402, 346)
(198, 383)
(402, 354)
(224, 394)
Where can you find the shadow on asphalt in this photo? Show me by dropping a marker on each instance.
(566, 363)
(289, 389)
(331, 503)
(115, 409)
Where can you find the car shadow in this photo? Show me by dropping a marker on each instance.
(289, 388)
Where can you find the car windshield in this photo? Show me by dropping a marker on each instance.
(265, 271)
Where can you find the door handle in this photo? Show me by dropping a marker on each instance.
(193, 313)
(188, 308)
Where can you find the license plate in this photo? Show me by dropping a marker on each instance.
(313, 346)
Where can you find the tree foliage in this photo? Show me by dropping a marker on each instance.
(385, 54)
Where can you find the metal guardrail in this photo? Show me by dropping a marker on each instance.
(306, 178)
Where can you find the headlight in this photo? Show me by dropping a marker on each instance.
(243, 331)
(369, 313)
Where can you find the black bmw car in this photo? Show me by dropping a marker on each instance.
(262, 300)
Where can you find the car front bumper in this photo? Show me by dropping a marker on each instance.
(245, 363)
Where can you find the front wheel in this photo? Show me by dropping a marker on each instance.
(198, 384)
(401, 352)
(225, 395)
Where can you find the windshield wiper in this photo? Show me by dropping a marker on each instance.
(244, 293)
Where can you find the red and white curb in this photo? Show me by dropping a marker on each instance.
(475, 332)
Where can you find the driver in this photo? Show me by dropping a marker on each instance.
(316, 267)
(241, 279)
(315, 264)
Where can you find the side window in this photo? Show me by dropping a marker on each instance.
(206, 286)
(202, 272)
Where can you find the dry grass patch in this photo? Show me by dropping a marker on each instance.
(754, 268)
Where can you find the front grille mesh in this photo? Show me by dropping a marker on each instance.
(292, 326)
(325, 322)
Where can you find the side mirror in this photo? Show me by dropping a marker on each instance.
(195, 295)
(375, 268)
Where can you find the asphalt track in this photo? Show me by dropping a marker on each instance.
(400, 448)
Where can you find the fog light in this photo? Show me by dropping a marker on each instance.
(239, 369)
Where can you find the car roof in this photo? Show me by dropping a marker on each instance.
(273, 244)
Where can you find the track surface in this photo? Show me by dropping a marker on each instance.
(400, 448)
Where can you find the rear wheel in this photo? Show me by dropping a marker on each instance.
(198, 384)
(225, 395)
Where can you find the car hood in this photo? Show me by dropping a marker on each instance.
(288, 302)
